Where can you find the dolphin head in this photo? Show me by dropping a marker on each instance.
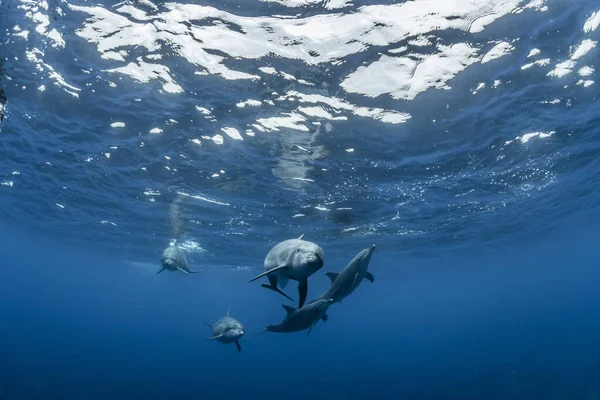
(273, 328)
(310, 255)
(169, 257)
(169, 263)
(364, 258)
(235, 332)
(323, 305)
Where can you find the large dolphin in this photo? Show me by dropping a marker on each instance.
(294, 259)
(299, 319)
(173, 258)
(227, 330)
(345, 282)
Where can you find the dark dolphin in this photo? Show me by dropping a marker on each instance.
(299, 319)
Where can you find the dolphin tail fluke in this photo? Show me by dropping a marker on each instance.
(160, 270)
(268, 272)
(370, 277)
(302, 291)
(238, 345)
(276, 289)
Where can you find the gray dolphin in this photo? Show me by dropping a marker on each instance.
(299, 319)
(294, 259)
(345, 282)
(173, 258)
(227, 330)
(3, 101)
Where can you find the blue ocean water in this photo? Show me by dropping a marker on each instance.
(460, 137)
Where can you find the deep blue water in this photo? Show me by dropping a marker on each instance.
(461, 138)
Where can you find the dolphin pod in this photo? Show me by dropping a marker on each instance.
(342, 285)
(291, 259)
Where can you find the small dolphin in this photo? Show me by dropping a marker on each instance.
(227, 330)
(294, 259)
(3, 100)
(299, 319)
(345, 282)
(173, 259)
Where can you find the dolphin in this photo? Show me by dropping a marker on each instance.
(299, 319)
(3, 102)
(227, 330)
(294, 259)
(346, 282)
(173, 259)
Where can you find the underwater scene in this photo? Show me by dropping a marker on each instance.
(299, 199)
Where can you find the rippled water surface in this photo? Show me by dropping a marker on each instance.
(426, 126)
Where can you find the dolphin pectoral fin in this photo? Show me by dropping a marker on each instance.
(238, 345)
(308, 333)
(302, 291)
(324, 317)
(214, 337)
(193, 272)
(160, 270)
(260, 333)
(183, 270)
(207, 324)
(268, 272)
(301, 236)
(369, 277)
(332, 275)
(276, 289)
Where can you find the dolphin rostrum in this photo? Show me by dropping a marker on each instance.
(294, 259)
(346, 282)
(299, 319)
(173, 258)
(227, 330)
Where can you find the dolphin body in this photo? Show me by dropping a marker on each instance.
(299, 319)
(173, 258)
(3, 100)
(346, 282)
(227, 330)
(294, 259)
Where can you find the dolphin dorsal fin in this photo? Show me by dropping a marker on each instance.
(332, 275)
(301, 236)
(288, 309)
(228, 311)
